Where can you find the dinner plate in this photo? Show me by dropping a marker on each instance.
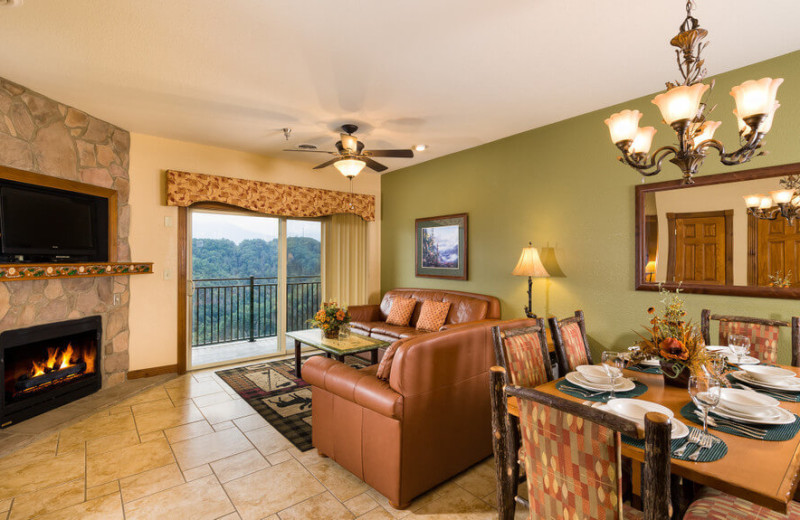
(783, 417)
(623, 384)
(733, 359)
(746, 402)
(789, 384)
(679, 429)
(654, 362)
(635, 409)
(764, 413)
(716, 348)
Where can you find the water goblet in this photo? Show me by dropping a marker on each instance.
(705, 391)
(718, 360)
(739, 346)
(613, 360)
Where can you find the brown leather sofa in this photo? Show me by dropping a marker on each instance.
(430, 421)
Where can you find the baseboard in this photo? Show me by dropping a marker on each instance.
(153, 371)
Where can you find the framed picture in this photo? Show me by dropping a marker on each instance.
(441, 247)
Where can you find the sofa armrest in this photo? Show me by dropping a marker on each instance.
(468, 323)
(354, 385)
(365, 313)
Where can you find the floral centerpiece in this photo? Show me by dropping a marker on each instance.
(330, 317)
(675, 341)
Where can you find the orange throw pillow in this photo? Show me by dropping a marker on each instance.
(401, 311)
(432, 315)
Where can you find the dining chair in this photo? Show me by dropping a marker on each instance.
(712, 504)
(570, 341)
(520, 348)
(573, 457)
(763, 334)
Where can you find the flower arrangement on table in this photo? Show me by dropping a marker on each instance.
(675, 341)
(330, 317)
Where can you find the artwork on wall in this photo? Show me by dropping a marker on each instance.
(441, 247)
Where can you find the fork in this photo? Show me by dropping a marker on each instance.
(694, 438)
(705, 443)
(585, 393)
(749, 431)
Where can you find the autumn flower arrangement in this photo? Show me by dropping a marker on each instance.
(330, 317)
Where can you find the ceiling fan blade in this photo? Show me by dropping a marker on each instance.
(391, 153)
(326, 163)
(378, 167)
(312, 151)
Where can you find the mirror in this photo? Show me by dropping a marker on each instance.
(704, 237)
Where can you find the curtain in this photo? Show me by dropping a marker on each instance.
(345, 277)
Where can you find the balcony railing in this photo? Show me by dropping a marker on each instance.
(239, 309)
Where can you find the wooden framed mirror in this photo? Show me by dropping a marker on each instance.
(702, 237)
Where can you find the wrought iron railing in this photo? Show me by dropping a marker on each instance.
(238, 309)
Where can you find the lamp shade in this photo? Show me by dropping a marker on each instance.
(753, 201)
(782, 196)
(643, 140)
(767, 124)
(349, 167)
(680, 103)
(349, 143)
(530, 264)
(766, 203)
(756, 97)
(623, 125)
(650, 267)
(548, 257)
(706, 131)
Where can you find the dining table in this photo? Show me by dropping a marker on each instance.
(763, 472)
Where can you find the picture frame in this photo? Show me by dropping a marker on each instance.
(440, 249)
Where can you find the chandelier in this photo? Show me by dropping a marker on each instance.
(784, 203)
(683, 109)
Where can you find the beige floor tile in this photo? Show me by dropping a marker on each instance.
(5, 505)
(457, 504)
(377, 514)
(216, 398)
(234, 409)
(239, 465)
(111, 442)
(35, 475)
(151, 436)
(224, 425)
(268, 440)
(168, 418)
(190, 388)
(278, 457)
(108, 507)
(235, 516)
(198, 472)
(39, 450)
(250, 422)
(188, 431)
(361, 504)
(150, 482)
(322, 506)
(102, 490)
(93, 427)
(153, 394)
(202, 499)
(152, 406)
(128, 461)
(343, 484)
(306, 458)
(210, 447)
(57, 497)
(479, 480)
(272, 489)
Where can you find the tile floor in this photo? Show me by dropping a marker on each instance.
(190, 448)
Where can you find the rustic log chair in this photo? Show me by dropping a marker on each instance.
(520, 347)
(570, 341)
(573, 459)
(763, 334)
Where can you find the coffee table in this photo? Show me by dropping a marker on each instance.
(339, 348)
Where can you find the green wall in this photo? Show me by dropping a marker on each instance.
(561, 185)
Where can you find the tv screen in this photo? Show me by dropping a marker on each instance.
(42, 221)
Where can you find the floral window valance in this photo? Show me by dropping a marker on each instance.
(185, 189)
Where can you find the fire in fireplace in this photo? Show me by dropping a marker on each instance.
(47, 366)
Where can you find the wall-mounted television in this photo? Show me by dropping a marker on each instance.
(40, 224)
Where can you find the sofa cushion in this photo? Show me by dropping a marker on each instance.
(394, 331)
(432, 315)
(401, 311)
(365, 326)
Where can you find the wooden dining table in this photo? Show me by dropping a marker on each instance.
(763, 472)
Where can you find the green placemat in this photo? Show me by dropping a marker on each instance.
(789, 397)
(780, 432)
(646, 369)
(576, 391)
(717, 450)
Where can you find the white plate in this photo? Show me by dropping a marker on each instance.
(784, 417)
(679, 430)
(596, 374)
(787, 385)
(635, 409)
(623, 384)
(716, 348)
(733, 359)
(768, 373)
(746, 402)
(654, 362)
(765, 413)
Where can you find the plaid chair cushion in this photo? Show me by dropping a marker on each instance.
(524, 359)
(573, 465)
(573, 346)
(716, 505)
(630, 513)
(763, 338)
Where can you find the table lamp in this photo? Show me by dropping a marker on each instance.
(530, 265)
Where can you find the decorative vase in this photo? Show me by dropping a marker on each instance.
(331, 333)
(669, 368)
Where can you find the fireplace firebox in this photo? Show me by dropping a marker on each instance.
(47, 366)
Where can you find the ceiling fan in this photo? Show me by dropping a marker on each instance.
(351, 157)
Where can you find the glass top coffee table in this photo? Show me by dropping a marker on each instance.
(338, 348)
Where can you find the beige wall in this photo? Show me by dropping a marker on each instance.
(154, 299)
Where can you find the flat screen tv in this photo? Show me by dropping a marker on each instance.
(51, 225)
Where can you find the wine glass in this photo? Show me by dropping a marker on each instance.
(718, 360)
(613, 363)
(705, 391)
(739, 346)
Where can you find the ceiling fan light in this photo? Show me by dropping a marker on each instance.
(756, 97)
(752, 201)
(349, 143)
(707, 130)
(680, 103)
(623, 125)
(643, 140)
(349, 167)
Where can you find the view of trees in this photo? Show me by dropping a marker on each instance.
(223, 258)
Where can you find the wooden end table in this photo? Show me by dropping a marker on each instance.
(338, 348)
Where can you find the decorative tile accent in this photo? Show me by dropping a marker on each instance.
(10, 273)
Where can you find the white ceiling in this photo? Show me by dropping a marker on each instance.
(449, 73)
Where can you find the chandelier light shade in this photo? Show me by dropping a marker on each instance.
(684, 110)
(780, 203)
(349, 167)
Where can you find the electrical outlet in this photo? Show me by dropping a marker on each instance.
(117, 299)
(167, 274)
(167, 221)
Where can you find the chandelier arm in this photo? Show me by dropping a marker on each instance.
(648, 166)
(742, 155)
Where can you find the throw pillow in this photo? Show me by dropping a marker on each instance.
(385, 367)
(401, 311)
(432, 315)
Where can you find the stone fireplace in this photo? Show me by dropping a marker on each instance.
(40, 135)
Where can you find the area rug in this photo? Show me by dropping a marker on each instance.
(279, 396)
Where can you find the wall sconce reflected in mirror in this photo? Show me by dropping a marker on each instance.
(650, 270)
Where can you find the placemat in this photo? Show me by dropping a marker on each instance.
(582, 393)
(781, 432)
(717, 450)
(642, 368)
(788, 397)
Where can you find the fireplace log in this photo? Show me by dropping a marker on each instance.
(55, 375)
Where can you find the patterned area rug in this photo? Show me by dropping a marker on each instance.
(281, 398)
